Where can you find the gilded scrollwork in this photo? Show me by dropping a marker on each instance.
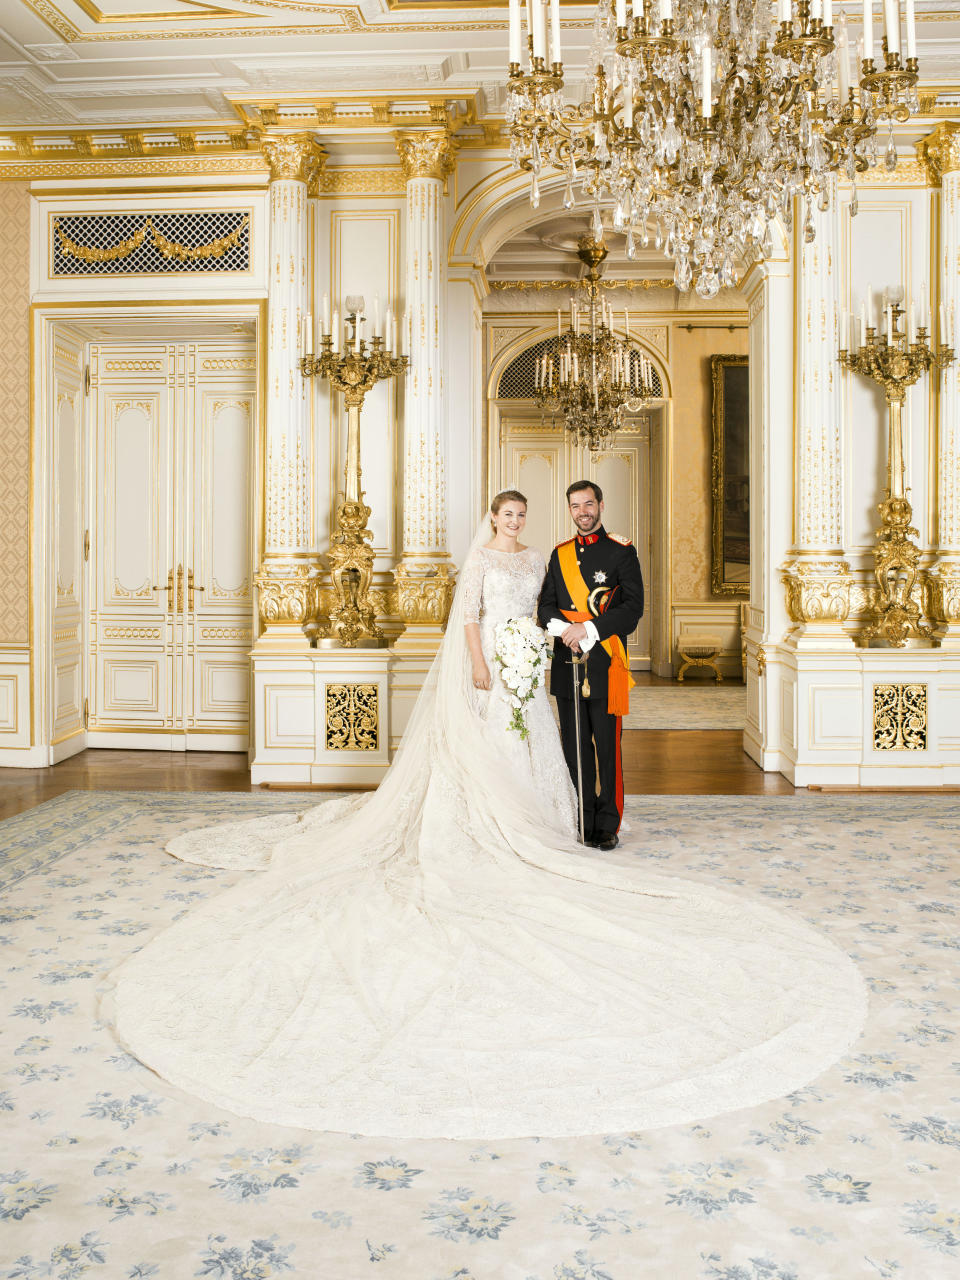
(900, 717)
(943, 592)
(818, 590)
(426, 153)
(352, 721)
(292, 156)
(939, 151)
(289, 595)
(424, 594)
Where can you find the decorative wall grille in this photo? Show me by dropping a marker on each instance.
(517, 382)
(110, 244)
(900, 717)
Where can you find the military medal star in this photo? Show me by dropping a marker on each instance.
(599, 576)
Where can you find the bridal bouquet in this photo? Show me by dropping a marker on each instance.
(521, 654)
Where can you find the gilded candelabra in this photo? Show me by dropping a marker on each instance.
(594, 376)
(703, 123)
(353, 372)
(896, 360)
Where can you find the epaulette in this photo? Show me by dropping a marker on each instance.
(565, 541)
(618, 537)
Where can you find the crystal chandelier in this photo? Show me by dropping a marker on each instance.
(704, 122)
(595, 376)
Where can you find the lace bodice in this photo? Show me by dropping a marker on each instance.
(501, 584)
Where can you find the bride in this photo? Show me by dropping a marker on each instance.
(442, 959)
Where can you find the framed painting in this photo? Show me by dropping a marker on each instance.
(731, 476)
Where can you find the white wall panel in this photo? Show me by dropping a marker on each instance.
(365, 260)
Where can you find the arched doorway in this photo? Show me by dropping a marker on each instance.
(530, 450)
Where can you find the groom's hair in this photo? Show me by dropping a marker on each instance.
(585, 484)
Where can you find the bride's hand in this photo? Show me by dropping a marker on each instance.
(481, 675)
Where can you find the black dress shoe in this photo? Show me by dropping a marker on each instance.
(606, 841)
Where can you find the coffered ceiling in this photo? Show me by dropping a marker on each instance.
(124, 63)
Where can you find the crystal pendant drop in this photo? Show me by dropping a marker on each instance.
(535, 192)
(809, 228)
(597, 224)
(631, 244)
(568, 197)
(682, 275)
(890, 155)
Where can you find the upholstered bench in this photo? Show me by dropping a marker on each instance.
(698, 650)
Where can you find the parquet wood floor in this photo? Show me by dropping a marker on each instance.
(655, 762)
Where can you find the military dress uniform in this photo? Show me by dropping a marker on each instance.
(594, 578)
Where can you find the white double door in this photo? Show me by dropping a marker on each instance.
(172, 544)
(541, 459)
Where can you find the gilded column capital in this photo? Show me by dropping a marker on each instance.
(426, 153)
(296, 156)
(817, 590)
(939, 151)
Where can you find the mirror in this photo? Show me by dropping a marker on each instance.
(731, 475)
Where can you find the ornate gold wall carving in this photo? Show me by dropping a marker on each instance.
(900, 717)
(939, 151)
(818, 590)
(426, 153)
(15, 416)
(352, 717)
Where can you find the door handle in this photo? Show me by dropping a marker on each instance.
(191, 589)
(169, 590)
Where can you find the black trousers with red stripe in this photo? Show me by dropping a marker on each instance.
(603, 810)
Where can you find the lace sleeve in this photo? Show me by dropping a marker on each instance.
(471, 584)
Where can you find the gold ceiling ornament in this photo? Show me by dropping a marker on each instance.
(939, 151)
(426, 153)
(170, 249)
(706, 122)
(539, 285)
(292, 156)
(595, 376)
(895, 359)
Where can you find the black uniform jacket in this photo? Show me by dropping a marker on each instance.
(611, 570)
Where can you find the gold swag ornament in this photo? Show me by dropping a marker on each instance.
(169, 249)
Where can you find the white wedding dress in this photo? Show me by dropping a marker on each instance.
(442, 959)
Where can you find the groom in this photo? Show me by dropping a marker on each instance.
(592, 599)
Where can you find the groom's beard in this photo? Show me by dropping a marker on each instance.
(587, 528)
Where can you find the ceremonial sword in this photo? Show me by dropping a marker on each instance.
(575, 663)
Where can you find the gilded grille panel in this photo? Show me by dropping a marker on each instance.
(85, 244)
(352, 717)
(900, 717)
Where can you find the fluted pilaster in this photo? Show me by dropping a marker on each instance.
(941, 152)
(287, 578)
(816, 577)
(424, 580)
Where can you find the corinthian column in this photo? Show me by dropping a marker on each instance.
(287, 577)
(424, 576)
(816, 576)
(941, 152)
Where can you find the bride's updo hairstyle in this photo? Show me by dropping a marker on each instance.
(507, 495)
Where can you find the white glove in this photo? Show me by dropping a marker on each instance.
(557, 626)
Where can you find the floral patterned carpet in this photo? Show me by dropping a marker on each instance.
(105, 1171)
(705, 706)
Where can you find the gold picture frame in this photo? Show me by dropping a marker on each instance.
(730, 476)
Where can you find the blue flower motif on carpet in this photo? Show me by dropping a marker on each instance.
(386, 1175)
(841, 1187)
(18, 1197)
(257, 1261)
(458, 1214)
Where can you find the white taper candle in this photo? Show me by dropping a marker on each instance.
(556, 53)
(891, 24)
(868, 29)
(516, 44)
(911, 16)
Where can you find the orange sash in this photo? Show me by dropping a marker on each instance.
(619, 680)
